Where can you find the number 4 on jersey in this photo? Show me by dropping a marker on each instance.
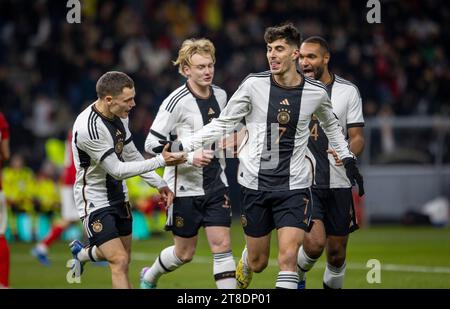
(314, 131)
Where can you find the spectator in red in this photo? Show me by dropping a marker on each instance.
(4, 249)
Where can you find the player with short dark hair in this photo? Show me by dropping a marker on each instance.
(104, 156)
(333, 213)
(274, 172)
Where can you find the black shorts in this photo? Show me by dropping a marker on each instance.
(192, 212)
(262, 211)
(334, 207)
(108, 223)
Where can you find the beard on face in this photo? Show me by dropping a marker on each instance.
(318, 73)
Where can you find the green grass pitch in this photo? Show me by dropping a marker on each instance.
(409, 257)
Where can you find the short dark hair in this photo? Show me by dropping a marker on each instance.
(287, 31)
(318, 40)
(112, 83)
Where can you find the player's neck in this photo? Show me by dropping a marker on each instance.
(102, 108)
(327, 77)
(288, 79)
(198, 90)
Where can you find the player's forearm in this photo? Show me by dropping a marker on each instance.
(123, 170)
(131, 154)
(333, 131)
(357, 145)
(151, 178)
(154, 180)
(217, 128)
(337, 141)
(220, 127)
(237, 108)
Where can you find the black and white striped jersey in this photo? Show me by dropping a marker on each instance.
(277, 120)
(104, 155)
(181, 114)
(347, 107)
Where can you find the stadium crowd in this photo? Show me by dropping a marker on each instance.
(48, 67)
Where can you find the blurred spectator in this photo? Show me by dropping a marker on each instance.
(47, 64)
(46, 190)
(4, 248)
(18, 185)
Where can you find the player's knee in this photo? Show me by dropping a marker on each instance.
(314, 250)
(220, 245)
(187, 255)
(258, 264)
(119, 262)
(186, 258)
(259, 267)
(336, 256)
(314, 246)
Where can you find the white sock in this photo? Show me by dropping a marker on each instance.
(167, 261)
(89, 254)
(333, 277)
(304, 263)
(42, 247)
(287, 280)
(224, 270)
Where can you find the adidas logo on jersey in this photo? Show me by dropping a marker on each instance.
(285, 102)
(211, 111)
(118, 133)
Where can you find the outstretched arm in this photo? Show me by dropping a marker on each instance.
(100, 151)
(131, 154)
(237, 108)
(123, 170)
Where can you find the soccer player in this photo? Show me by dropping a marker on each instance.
(69, 213)
(105, 155)
(200, 186)
(4, 249)
(333, 212)
(274, 173)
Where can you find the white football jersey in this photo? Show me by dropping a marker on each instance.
(277, 120)
(100, 147)
(181, 114)
(347, 107)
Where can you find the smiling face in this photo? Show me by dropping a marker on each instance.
(313, 60)
(281, 56)
(122, 104)
(201, 70)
